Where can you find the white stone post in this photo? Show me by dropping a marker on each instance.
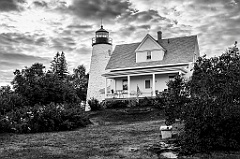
(128, 78)
(154, 85)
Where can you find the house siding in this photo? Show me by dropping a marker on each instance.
(156, 55)
(160, 84)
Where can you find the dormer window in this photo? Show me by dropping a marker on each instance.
(149, 57)
(149, 50)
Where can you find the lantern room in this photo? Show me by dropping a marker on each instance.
(101, 37)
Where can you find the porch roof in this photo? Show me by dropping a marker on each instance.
(146, 71)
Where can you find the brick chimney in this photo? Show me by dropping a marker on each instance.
(159, 36)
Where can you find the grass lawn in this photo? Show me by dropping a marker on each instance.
(112, 139)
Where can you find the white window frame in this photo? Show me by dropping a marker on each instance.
(149, 52)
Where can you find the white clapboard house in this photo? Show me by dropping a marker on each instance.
(138, 69)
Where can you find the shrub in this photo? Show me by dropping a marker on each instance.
(175, 99)
(212, 114)
(9, 100)
(117, 104)
(145, 102)
(210, 125)
(94, 104)
(52, 117)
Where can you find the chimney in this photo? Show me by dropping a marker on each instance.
(159, 35)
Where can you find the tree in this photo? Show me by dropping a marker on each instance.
(211, 117)
(9, 100)
(217, 77)
(80, 81)
(26, 82)
(62, 66)
(59, 65)
(55, 63)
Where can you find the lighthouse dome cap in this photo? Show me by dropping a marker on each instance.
(101, 30)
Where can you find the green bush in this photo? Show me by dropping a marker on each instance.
(210, 125)
(157, 102)
(94, 104)
(211, 109)
(117, 104)
(175, 99)
(52, 117)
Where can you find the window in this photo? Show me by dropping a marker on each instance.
(149, 55)
(125, 84)
(147, 84)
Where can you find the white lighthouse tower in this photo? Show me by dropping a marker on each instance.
(101, 52)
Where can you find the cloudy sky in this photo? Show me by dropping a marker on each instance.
(35, 30)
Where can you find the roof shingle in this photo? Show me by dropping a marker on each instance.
(179, 50)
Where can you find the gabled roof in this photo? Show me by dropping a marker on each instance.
(153, 41)
(178, 50)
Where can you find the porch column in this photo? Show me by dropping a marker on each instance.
(128, 79)
(154, 84)
(114, 85)
(106, 89)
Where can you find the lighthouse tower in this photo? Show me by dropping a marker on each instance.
(101, 52)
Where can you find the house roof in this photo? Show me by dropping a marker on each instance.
(178, 50)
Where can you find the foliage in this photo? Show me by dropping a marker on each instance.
(80, 81)
(43, 88)
(9, 100)
(94, 104)
(211, 117)
(157, 102)
(117, 104)
(41, 92)
(39, 87)
(59, 65)
(210, 126)
(51, 117)
(175, 99)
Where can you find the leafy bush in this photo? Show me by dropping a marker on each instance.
(52, 117)
(210, 125)
(117, 104)
(211, 115)
(157, 102)
(175, 99)
(9, 100)
(94, 104)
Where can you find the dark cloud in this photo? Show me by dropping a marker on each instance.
(8, 38)
(40, 4)
(232, 6)
(17, 39)
(78, 26)
(65, 44)
(144, 26)
(22, 58)
(126, 31)
(10, 5)
(97, 9)
(40, 41)
(6, 65)
(9, 62)
(141, 17)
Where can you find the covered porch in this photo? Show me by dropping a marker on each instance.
(121, 85)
